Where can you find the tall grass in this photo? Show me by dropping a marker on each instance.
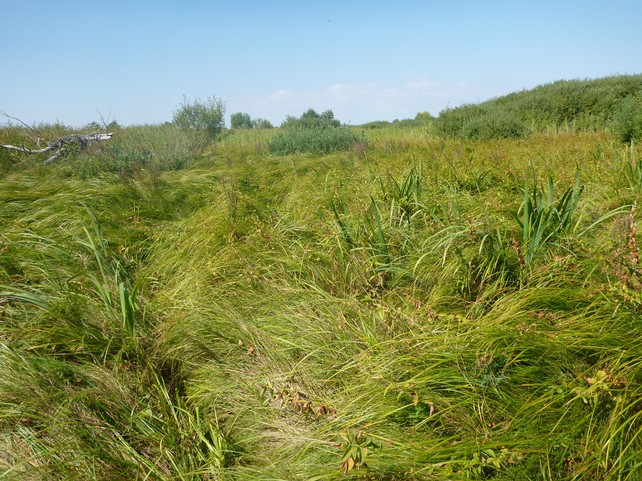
(315, 140)
(379, 316)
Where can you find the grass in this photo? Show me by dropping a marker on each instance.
(543, 218)
(415, 309)
(315, 140)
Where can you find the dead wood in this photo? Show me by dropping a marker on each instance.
(62, 146)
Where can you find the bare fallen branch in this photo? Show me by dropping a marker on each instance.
(62, 145)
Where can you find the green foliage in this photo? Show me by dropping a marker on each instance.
(240, 120)
(356, 448)
(318, 140)
(311, 119)
(480, 123)
(338, 317)
(377, 124)
(423, 116)
(627, 119)
(203, 121)
(421, 120)
(200, 115)
(494, 125)
(313, 133)
(581, 105)
(543, 218)
(262, 124)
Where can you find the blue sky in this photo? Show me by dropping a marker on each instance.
(134, 61)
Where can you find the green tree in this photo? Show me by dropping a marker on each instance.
(240, 120)
(311, 119)
(200, 115)
(202, 121)
(262, 124)
(311, 114)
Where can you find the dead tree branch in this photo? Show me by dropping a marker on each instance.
(60, 146)
(63, 145)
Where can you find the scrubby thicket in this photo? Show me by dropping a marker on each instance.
(613, 103)
(313, 133)
(412, 308)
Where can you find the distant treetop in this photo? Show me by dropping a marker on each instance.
(311, 119)
(242, 120)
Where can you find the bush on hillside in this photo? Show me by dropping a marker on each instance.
(477, 122)
(496, 125)
(627, 119)
(450, 123)
(578, 105)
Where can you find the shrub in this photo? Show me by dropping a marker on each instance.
(317, 140)
(450, 123)
(495, 125)
(202, 121)
(584, 105)
(377, 124)
(476, 122)
(627, 119)
(313, 133)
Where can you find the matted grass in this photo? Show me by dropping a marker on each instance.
(369, 314)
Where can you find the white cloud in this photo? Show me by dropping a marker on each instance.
(360, 103)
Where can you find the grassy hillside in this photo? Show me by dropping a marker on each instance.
(566, 105)
(413, 308)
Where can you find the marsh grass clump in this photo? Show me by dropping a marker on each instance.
(318, 140)
(406, 193)
(134, 150)
(544, 218)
